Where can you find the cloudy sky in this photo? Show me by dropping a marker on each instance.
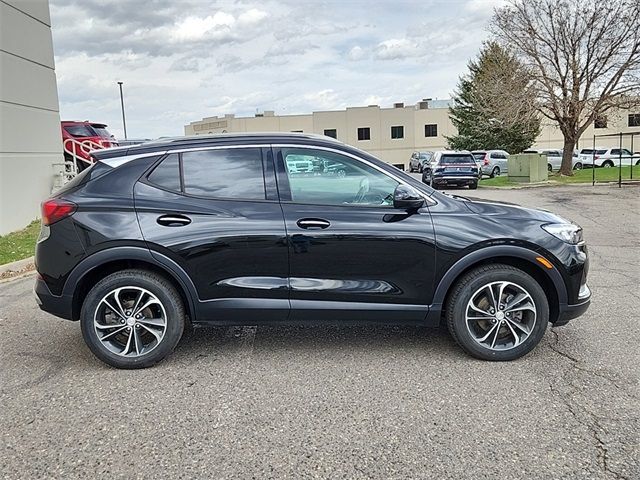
(181, 60)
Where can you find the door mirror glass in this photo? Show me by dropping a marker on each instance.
(406, 198)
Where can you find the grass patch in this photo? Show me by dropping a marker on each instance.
(18, 245)
(581, 176)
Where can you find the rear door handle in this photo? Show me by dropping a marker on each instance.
(173, 220)
(313, 223)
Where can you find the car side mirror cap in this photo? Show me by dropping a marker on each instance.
(406, 198)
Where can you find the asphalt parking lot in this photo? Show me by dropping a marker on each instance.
(361, 402)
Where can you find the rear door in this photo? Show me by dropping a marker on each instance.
(353, 256)
(215, 212)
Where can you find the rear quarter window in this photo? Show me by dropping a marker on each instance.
(167, 173)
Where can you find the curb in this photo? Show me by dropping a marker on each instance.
(19, 266)
(559, 184)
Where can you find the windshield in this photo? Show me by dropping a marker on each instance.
(80, 131)
(425, 156)
(102, 132)
(452, 159)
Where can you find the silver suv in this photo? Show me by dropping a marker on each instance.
(493, 162)
(554, 158)
(418, 161)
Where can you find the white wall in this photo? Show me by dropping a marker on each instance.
(30, 139)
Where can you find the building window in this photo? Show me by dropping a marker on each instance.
(600, 121)
(431, 130)
(397, 132)
(364, 133)
(331, 132)
(634, 119)
(296, 131)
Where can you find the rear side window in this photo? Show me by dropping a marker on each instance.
(454, 159)
(224, 173)
(167, 174)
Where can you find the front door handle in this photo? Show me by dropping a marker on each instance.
(173, 220)
(313, 223)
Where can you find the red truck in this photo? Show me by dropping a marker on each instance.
(80, 138)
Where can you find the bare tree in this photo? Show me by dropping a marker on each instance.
(584, 57)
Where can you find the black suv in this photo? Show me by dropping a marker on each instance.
(452, 168)
(216, 230)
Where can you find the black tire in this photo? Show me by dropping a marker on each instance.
(549, 168)
(162, 289)
(473, 186)
(578, 166)
(495, 172)
(472, 282)
(608, 164)
(638, 163)
(410, 169)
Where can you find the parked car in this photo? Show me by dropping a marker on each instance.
(418, 161)
(215, 230)
(80, 138)
(494, 162)
(457, 168)
(608, 157)
(300, 164)
(554, 158)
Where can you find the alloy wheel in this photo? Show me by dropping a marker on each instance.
(500, 315)
(130, 321)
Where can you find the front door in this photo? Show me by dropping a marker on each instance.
(215, 212)
(352, 255)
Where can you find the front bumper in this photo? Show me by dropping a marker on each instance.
(569, 312)
(60, 306)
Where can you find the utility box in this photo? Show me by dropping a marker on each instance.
(528, 168)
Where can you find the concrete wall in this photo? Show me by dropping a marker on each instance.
(30, 140)
(380, 121)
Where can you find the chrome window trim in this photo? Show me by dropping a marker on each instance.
(115, 162)
(426, 197)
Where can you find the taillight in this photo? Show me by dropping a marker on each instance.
(55, 210)
(486, 160)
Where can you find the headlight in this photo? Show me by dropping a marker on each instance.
(567, 232)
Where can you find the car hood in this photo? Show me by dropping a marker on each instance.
(510, 210)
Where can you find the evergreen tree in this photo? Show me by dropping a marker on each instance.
(486, 117)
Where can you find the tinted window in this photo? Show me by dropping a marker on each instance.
(340, 180)
(331, 132)
(425, 156)
(479, 155)
(451, 159)
(102, 132)
(224, 173)
(167, 174)
(80, 131)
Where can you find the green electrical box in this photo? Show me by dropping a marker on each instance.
(528, 168)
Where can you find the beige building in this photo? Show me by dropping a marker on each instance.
(30, 140)
(392, 134)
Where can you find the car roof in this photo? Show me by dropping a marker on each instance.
(195, 141)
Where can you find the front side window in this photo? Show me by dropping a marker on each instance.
(234, 173)
(336, 179)
(397, 131)
(364, 133)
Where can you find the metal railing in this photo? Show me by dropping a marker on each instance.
(632, 159)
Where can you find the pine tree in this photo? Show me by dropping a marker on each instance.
(485, 117)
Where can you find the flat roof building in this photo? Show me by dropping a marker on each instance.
(393, 134)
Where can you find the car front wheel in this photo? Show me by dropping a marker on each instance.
(578, 166)
(132, 319)
(495, 172)
(497, 312)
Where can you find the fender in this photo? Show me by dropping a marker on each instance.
(483, 254)
(133, 253)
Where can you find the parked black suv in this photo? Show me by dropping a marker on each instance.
(214, 230)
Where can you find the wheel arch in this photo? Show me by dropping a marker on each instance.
(105, 262)
(550, 280)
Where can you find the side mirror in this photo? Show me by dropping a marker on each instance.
(406, 198)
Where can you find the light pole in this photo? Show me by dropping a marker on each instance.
(124, 122)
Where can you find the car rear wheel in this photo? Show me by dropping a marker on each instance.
(132, 319)
(578, 166)
(549, 168)
(607, 164)
(495, 172)
(497, 312)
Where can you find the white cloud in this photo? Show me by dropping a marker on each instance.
(484, 7)
(398, 48)
(195, 28)
(252, 16)
(356, 53)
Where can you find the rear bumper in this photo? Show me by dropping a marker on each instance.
(60, 306)
(456, 180)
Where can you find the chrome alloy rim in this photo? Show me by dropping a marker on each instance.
(130, 321)
(500, 315)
